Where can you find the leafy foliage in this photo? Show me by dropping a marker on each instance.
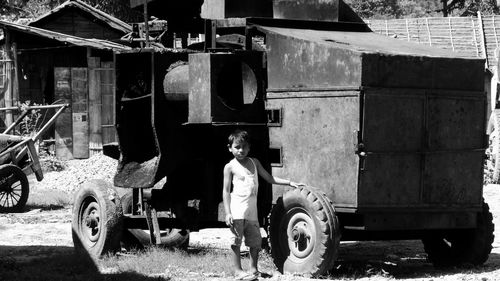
(377, 9)
(16, 9)
(30, 124)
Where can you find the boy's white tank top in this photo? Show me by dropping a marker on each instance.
(244, 195)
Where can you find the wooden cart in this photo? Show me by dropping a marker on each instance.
(18, 159)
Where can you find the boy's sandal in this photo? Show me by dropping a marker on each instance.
(246, 276)
(262, 274)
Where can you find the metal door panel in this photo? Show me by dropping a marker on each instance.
(456, 122)
(318, 136)
(422, 148)
(393, 121)
(390, 180)
(453, 178)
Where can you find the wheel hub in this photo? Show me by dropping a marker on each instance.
(92, 220)
(301, 234)
(90, 223)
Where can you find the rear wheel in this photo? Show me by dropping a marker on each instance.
(136, 238)
(97, 219)
(470, 246)
(304, 233)
(14, 189)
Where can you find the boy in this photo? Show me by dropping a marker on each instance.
(241, 204)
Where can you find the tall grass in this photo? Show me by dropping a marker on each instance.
(48, 198)
(193, 264)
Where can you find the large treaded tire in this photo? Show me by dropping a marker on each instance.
(471, 246)
(304, 232)
(97, 219)
(14, 189)
(493, 151)
(137, 238)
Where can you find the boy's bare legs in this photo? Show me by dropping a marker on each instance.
(236, 260)
(254, 258)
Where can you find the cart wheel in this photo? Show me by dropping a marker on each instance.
(137, 238)
(493, 151)
(97, 219)
(304, 233)
(14, 189)
(471, 246)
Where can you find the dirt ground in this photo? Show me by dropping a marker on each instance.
(44, 232)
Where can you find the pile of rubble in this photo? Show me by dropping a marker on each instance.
(76, 172)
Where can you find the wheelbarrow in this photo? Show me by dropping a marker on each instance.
(19, 159)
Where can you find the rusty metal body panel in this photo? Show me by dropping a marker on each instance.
(379, 126)
(226, 87)
(317, 138)
(423, 148)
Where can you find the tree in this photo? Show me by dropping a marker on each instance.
(13, 10)
(416, 8)
(117, 8)
(468, 7)
(375, 8)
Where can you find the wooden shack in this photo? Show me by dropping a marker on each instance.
(68, 56)
(79, 19)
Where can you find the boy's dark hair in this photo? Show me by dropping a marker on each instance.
(238, 136)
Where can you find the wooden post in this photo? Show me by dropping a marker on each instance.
(428, 31)
(451, 34)
(15, 77)
(95, 104)
(482, 37)
(146, 23)
(8, 76)
(407, 30)
(475, 36)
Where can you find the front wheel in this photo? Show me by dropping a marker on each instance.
(470, 246)
(304, 233)
(97, 219)
(14, 189)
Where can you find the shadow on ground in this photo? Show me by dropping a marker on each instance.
(59, 263)
(397, 259)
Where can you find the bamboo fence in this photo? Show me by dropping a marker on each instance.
(467, 36)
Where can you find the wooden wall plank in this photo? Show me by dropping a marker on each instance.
(95, 141)
(108, 105)
(79, 87)
(63, 127)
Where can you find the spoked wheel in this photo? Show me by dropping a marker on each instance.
(493, 152)
(469, 246)
(14, 189)
(97, 219)
(136, 238)
(304, 233)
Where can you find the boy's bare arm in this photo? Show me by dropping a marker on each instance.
(226, 193)
(274, 180)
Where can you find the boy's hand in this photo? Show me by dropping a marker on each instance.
(295, 184)
(229, 220)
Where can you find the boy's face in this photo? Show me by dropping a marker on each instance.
(239, 149)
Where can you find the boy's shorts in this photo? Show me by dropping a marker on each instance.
(248, 229)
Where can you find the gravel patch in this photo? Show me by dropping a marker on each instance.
(77, 172)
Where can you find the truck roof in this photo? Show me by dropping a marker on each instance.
(365, 42)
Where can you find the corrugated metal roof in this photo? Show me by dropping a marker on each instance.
(108, 19)
(64, 38)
